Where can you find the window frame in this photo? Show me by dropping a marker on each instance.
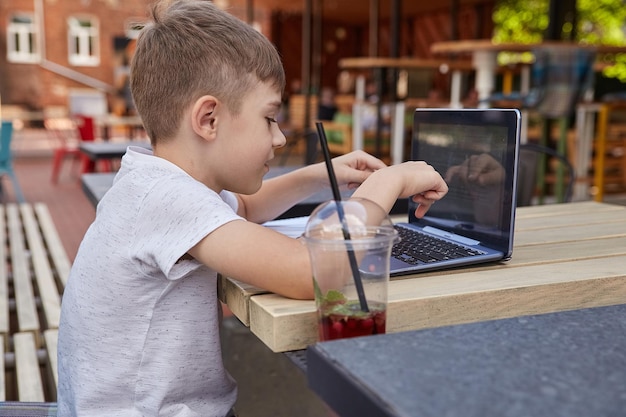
(83, 41)
(22, 39)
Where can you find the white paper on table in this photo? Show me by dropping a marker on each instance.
(292, 227)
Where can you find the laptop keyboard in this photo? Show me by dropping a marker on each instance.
(415, 248)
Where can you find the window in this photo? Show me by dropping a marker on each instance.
(22, 39)
(83, 41)
(133, 27)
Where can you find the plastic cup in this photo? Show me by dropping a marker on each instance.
(350, 271)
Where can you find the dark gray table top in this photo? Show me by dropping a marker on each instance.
(109, 150)
(97, 184)
(569, 364)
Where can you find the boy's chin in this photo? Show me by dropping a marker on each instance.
(248, 190)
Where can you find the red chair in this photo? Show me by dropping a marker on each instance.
(86, 128)
(65, 130)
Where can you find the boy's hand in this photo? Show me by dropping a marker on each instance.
(415, 179)
(353, 168)
(423, 183)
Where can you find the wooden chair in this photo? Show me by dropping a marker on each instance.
(298, 109)
(6, 159)
(339, 137)
(609, 163)
(299, 127)
(340, 140)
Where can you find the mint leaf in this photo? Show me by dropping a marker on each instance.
(335, 297)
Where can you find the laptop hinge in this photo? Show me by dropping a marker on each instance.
(457, 238)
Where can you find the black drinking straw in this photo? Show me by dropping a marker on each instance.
(342, 218)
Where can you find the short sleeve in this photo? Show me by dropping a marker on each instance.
(175, 216)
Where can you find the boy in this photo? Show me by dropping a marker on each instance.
(139, 333)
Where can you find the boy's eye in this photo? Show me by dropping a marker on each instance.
(271, 120)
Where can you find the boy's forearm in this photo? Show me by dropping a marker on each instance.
(380, 188)
(279, 194)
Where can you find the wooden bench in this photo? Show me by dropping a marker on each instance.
(32, 278)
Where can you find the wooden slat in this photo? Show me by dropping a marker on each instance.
(24, 295)
(3, 382)
(492, 294)
(568, 251)
(51, 338)
(48, 292)
(468, 46)
(555, 210)
(54, 245)
(442, 300)
(237, 295)
(283, 324)
(528, 255)
(4, 279)
(581, 231)
(35, 263)
(570, 220)
(404, 63)
(29, 383)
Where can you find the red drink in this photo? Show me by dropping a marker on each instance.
(343, 320)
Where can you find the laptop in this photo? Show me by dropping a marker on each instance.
(476, 151)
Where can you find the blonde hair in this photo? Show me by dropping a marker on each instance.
(190, 49)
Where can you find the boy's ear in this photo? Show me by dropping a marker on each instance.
(203, 117)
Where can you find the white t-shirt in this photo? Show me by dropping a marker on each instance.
(139, 333)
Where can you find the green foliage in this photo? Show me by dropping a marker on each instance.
(521, 21)
(599, 22)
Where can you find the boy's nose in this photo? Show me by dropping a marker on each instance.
(279, 139)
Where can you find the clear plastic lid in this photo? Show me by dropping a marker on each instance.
(359, 217)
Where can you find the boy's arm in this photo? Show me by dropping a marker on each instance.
(267, 259)
(279, 194)
(414, 179)
(258, 256)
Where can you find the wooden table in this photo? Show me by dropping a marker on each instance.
(484, 57)
(108, 150)
(566, 256)
(110, 122)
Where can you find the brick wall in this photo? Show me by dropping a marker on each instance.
(33, 86)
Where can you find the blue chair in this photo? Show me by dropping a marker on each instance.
(27, 409)
(6, 159)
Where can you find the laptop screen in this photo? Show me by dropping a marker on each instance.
(475, 150)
